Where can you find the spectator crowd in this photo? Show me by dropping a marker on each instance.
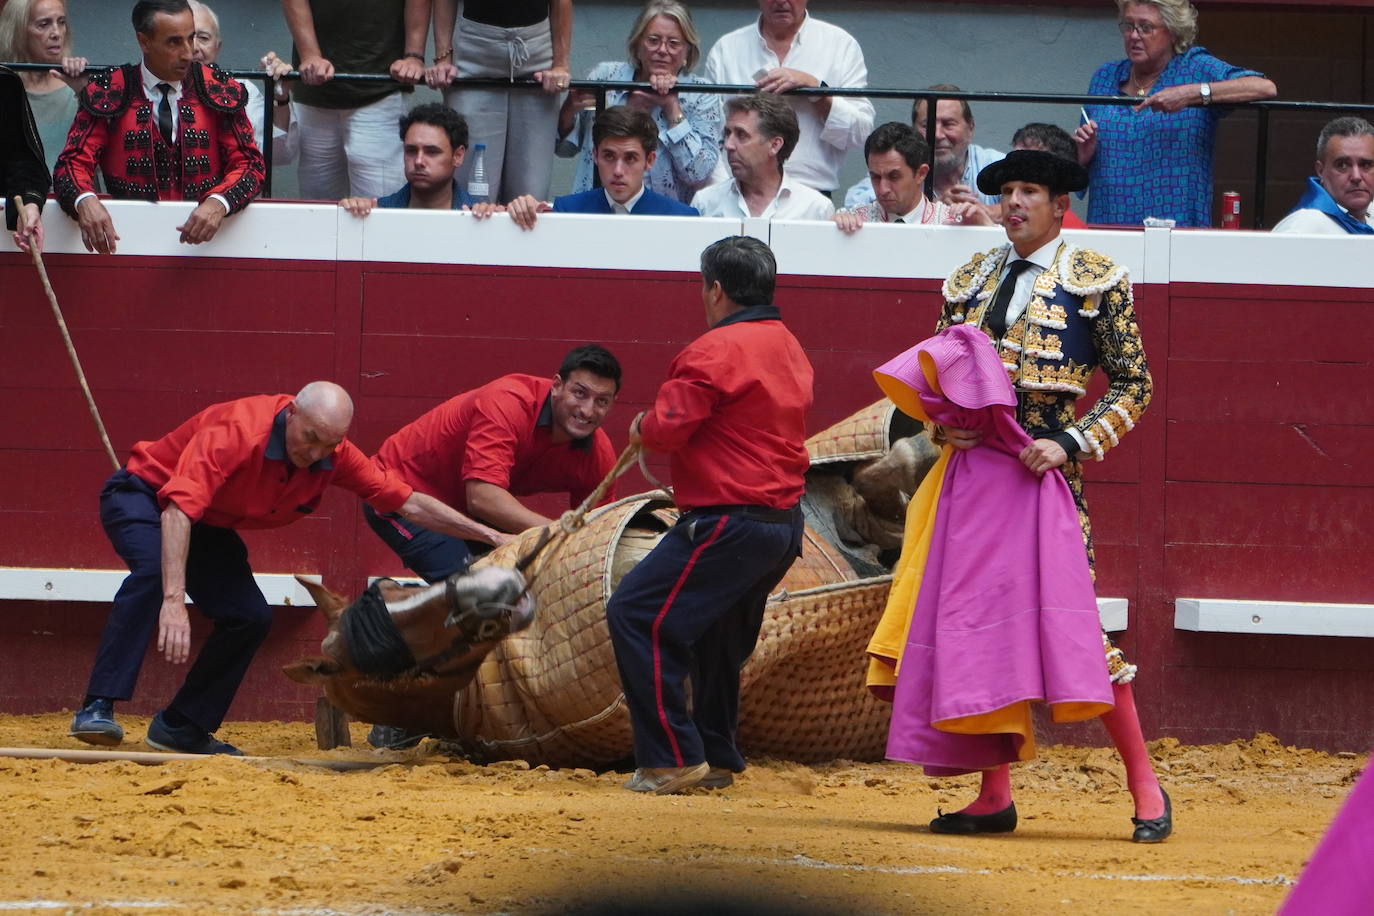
(174, 126)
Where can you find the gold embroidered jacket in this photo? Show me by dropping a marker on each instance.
(1080, 316)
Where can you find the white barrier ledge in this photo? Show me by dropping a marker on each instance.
(99, 585)
(1114, 613)
(1292, 618)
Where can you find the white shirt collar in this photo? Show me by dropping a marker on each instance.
(150, 85)
(796, 39)
(913, 217)
(628, 206)
(1042, 257)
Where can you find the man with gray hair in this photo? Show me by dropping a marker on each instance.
(206, 45)
(1337, 199)
(761, 131)
(172, 513)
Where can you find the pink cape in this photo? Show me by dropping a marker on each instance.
(1006, 610)
(1339, 880)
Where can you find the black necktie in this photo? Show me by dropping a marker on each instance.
(997, 315)
(164, 113)
(899, 220)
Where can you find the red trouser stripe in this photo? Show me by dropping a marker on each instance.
(401, 528)
(658, 659)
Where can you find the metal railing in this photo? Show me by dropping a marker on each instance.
(601, 87)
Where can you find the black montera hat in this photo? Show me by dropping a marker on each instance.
(1060, 175)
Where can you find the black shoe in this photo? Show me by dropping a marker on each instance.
(1003, 821)
(1156, 829)
(94, 723)
(394, 738)
(185, 739)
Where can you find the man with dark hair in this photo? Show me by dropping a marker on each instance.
(897, 168)
(958, 160)
(625, 146)
(1055, 313)
(173, 513)
(1337, 200)
(434, 139)
(516, 436)
(761, 132)
(732, 416)
(166, 129)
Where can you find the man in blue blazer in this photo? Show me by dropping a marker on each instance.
(626, 142)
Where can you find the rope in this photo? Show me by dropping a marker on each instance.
(67, 339)
(554, 533)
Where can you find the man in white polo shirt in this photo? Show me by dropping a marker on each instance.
(760, 134)
(789, 49)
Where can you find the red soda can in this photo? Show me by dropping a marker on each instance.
(1230, 210)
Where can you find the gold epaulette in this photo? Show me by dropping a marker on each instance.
(1085, 272)
(966, 282)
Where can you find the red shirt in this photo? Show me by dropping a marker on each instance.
(227, 466)
(733, 414)
(501, 433)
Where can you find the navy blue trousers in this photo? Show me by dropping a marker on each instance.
(218, 580)
(693, 608)
(430, 555)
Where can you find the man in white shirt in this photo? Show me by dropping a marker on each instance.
(789, 49)
(1337, 200)
(760, 133)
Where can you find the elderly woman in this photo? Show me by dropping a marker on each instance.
(663, 48)
(36, 31)
(1156, 159)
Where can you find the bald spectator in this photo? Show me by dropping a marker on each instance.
(348, 140)
(206, 48)
(1336, 201)
(787, 48)
(173, 513)
(761, 132)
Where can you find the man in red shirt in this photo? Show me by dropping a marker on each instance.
(171, 511)
(732, 415)
(515, 436)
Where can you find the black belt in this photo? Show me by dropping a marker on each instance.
(758, 513)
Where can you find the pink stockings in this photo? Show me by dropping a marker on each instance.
(1123, 725)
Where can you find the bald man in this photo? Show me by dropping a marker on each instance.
(172, 513)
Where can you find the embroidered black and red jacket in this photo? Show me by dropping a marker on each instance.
(115, 130)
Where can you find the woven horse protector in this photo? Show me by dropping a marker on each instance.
(551, 693)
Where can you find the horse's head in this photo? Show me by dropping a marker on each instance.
(396, 631)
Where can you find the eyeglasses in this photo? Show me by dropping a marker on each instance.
(654, 42)
(1143, 29)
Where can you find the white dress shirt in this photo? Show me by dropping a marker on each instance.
(828, 53)
(626, 208)
(794, 200)
(1315, 222)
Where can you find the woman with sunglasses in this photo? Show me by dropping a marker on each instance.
(663, 48)
(1155, 159)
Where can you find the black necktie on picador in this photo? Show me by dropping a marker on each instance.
(997, 315)
(164, 113)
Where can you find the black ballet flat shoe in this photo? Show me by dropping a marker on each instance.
(958, 822)
(1156, 829)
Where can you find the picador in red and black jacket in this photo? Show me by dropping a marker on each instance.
(167, 128)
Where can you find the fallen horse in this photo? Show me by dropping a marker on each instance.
(549, 692)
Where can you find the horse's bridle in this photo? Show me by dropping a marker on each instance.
(374, 641)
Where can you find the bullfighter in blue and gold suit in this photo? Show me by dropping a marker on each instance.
(1056, 313)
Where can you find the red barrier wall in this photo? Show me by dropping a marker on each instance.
(1244, 479)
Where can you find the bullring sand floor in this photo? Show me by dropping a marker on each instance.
(435, 834)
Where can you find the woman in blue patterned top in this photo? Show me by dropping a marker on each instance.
(1156, 159)
(663, 47)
